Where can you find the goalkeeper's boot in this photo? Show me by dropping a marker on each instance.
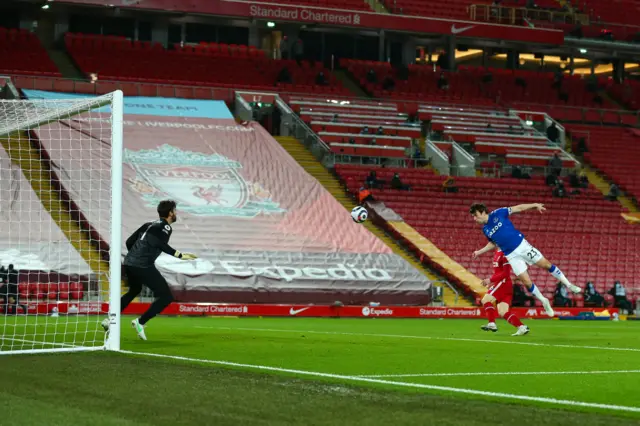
(139, 328)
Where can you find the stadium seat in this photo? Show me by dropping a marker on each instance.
(23, 290)
(76, 291)
(63, 291)
(33, 292)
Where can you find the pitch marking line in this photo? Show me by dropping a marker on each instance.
(505, 373)
(455, 339)
(394, 383)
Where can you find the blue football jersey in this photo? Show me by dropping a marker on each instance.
(501, 231)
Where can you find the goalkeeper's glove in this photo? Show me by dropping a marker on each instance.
(185, 256)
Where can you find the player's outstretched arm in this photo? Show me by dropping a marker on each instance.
(490, 246)
(524, 207)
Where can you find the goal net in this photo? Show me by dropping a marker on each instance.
(58, 284)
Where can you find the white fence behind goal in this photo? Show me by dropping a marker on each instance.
(63, 277)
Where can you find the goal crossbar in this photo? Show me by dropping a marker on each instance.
(78, 106)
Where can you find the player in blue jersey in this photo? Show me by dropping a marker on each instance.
(500, 232)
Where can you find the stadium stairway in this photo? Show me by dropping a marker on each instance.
(603, 185)
(23, 154)
(606, 96)
(344, 77)
(377, 6)
(567, 4)
(65, 65)
(331, 183)
(56, 51)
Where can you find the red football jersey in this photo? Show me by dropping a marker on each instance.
(501, 269)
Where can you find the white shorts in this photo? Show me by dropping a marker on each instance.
(523, 256)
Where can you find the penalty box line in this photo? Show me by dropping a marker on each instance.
(553, 401)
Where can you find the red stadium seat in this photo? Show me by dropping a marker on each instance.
(52, 291)
(63, 291)
(76, 291)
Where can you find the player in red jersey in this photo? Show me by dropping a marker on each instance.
(500, 292)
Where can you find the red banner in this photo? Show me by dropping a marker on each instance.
(359, 19)
(321, 311)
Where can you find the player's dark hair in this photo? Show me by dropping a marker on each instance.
(478, 207)
(165, 207)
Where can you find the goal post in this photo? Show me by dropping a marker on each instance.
(60, 223)
(115, 248)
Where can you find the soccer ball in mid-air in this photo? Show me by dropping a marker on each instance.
(359, 214)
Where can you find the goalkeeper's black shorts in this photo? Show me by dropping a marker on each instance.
(149, 277)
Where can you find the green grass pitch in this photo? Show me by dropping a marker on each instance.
(295, 371)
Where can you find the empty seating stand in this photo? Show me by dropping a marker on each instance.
(614, 151)
(491, 133)
(51, 291)
(236, 66)
(358, 128)
(605, 253)
(621, 12)
(493, 88)
(22, 53)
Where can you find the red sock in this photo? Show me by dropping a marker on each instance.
(491, 312)
(513, 319)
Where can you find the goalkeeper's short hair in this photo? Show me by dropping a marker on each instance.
(165, 207)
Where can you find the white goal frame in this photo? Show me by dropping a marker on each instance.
(76, 106)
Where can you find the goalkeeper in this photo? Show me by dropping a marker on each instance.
(144, 246)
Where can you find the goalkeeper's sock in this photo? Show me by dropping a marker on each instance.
(491, 312)
(512, 319)
(557, 273)
(156, 307)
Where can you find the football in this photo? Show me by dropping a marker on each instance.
(359, 214)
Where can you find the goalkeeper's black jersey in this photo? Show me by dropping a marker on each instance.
(146, 244)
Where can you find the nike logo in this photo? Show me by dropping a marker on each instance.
(297, 311)
(455, 30)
